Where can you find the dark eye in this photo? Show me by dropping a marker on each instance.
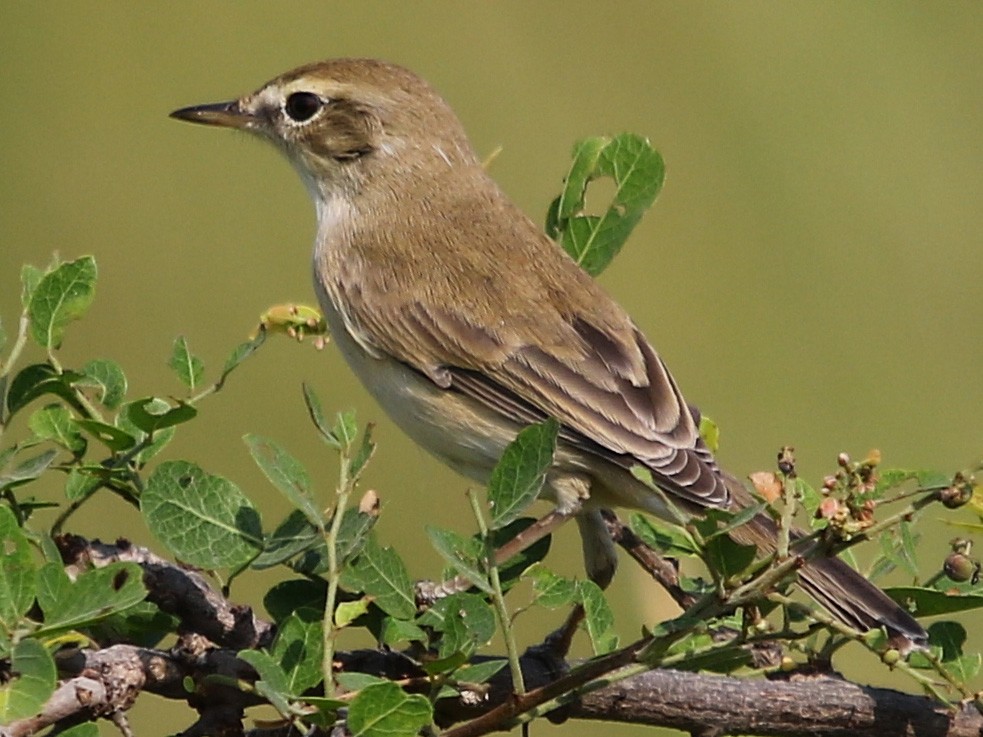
(301, 106)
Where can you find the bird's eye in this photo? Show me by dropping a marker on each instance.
(302, 106)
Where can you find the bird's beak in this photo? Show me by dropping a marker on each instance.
(224, 114)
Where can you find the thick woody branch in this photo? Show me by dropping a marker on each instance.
(183, 592)
(823, 705)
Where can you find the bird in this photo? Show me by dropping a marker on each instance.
(466, 322)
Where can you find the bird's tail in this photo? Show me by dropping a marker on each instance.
(846, 594)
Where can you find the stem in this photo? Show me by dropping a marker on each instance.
(15, 350)
(334, 574)
(788, 513)
(518, 684)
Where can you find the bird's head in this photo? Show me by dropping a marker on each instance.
(339, 120)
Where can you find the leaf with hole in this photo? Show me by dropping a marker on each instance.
(94, 595)
(205, 520)
(638, 172)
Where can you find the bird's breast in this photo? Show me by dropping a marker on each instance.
(454, 428)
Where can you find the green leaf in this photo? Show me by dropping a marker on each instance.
(80, 483)
(240, 353)
(353, 533)
(28, 470)
(511, 570)
(55, 423)
(385, 710)
(447, 664)
(889, 479)
(462, 553)
(188, 367)
(30, 277)
(272, 684)
(464, 621)
(667, 539)
(907, 549)
(287, 474)
(316, 412)
(345, 429)
(598, 618)
(381, 573)
(160, 439)
(552, 591)
(475, 673)
(204, 519)
(930, 602)
(293, 536)
(949, 637)
(947, 640)
(710, 433)
(3, 338)
(108, 378)
(7, 453)
(638, 173)
(112, 437)
(290, 596)
(726, 659)
(327, 711)
(17, 574)
(152, 414)
(86, 729)
(33, 681)
(396, 631)
(727, 557)
(94, 595)
(61, 296)
(36, 380)
(731, 520)
(348, 611)
(298, 649)
(361, 456)
(357, 681)
(518, 477)
(143, 625)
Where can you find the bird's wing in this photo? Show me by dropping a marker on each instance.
(525, 352)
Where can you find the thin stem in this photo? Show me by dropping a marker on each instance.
(788, 513)
(15, 350)
(518, 684)
(334, 574)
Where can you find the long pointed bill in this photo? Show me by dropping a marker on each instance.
(224, 114)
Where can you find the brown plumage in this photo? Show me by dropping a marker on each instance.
(467, 322)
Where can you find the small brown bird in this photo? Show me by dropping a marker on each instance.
(466, 322)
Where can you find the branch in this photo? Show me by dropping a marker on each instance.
(212, 680)
(185, 593)
(107, 681)
(821, 705)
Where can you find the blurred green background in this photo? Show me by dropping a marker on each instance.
(811, 272)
